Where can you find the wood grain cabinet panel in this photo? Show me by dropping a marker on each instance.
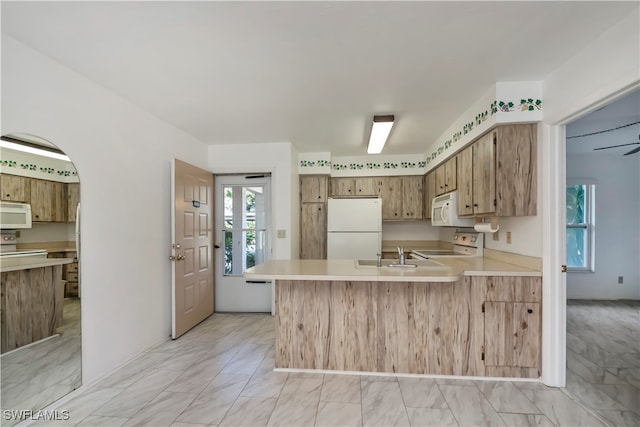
(313, 231)
(314, 188)
(342, 187)
(365, 186)
(516, 170)
(48, 201)
(484, 178)
(512, 334)
(15, 188)
(73, 198)
(390, 190)
(429, 193)
(465, 181)
(446, 176)
(412, 197)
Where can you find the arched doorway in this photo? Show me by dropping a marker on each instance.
(41, 351)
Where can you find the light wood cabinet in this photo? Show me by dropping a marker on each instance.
(313, 231)
(412, 197)
(465, 181)
(429, 193)
(446, 176)
(73, 198)
(365, 186)
(354, 187)
(314, 188)
(497, 174)
(48, 201)
(15, 188)
(516, 170)
(512, 322)
(342, 187)
(390, 191)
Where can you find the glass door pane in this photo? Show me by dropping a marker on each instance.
(244, 228)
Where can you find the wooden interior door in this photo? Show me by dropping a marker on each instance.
(192, 245)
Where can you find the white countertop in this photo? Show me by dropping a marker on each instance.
(25, 263)
(453, 268)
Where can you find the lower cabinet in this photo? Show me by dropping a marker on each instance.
(313, 231)
(512, 317)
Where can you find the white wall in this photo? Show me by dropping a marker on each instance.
(280, 159)
(122, 155)
(602, 70)
(409, 230)
(617, 226)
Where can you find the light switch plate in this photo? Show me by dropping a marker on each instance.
(281, 234)
(508, 237)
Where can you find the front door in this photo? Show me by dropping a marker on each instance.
(242, 233)
(191, 249)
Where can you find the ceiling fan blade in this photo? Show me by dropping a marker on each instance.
(635, 150)
(614, 146)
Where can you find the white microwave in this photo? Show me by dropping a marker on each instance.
(444, 212)
(15, 215)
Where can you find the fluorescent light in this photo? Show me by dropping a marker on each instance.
(31, 150)
(380, 130)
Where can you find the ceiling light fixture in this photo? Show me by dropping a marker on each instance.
(380, 130)
(32, 150)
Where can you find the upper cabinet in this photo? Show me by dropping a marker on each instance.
(314, 188)
(353, 187)
(412, 197)
(15, 188)
(516, 170)
(73, 198)
(429, 193)
(497, 173)
(48, 201)
(446, 176)
(402, 197)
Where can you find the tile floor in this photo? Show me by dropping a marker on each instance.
(36, 375)
(220, 373)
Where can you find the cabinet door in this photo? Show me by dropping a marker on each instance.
(512, 334)
(450, 174)
(313, 231)
(465, 182)
(314, 188)
(484, 176)
(42, 200)
(516, 170)
(429, 193)
(73, 198)
(441, 177)
(342, 186)
(59, 202)
(412, 197)
(365, 187)
(15, 188)
(390, 188)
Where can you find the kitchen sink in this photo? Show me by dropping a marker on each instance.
(393, 263)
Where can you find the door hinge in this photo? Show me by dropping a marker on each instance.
(495, 202)
(564, 268)
(483, 356)
(483, 307)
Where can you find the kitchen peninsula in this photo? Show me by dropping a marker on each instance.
(463, 316)
(32, 297)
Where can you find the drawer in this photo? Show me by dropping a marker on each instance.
(71, 289)
(72, 268)
(72, 277)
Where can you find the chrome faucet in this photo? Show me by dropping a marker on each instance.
(379, 259)
(401, 255)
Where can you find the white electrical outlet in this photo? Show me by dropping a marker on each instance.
(281, 234)
(620, 280)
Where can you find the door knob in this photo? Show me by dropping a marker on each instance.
(180, 257)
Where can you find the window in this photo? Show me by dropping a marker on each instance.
(580, 227)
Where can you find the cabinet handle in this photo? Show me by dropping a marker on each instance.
(529, 311)
(467, 206)
(475, 205)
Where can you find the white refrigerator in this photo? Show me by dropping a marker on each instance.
(354, 228)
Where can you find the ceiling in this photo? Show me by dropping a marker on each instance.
(310, 73)
(622, 112)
